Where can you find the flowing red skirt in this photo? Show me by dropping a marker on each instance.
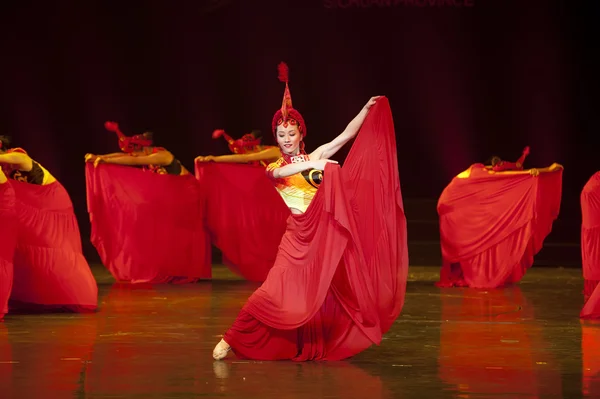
(50, 270)
(245, 216)
(147, 228)
(590, 234)
(8, 241)
(492, 225)
(339, 279)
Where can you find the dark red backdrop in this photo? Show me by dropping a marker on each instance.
(464, 81)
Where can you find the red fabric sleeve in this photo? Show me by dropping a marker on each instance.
(590, 228)
(492, 224)
(50, 270)
(245, 216)
(147, 227)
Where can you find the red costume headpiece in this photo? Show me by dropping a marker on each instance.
(129, 144)
(287, 114)
(505, 165)
(247, 143)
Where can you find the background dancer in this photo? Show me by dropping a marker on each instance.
(246, 149)
(492, 223)
(146, 227)
(50, 272)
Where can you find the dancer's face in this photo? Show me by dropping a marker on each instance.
(289, 139)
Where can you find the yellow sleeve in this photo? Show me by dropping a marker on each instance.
(272, 166)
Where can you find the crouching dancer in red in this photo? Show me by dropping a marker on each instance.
(50, 272)
(494, 220)
(146, 212)
(339, 279)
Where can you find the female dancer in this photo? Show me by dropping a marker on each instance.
(492, 224)
(146, 227)
(50, 272)
(138, 151)
(245, 150)
(498, 165)
(339, 278)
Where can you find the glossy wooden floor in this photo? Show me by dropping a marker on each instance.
(156, 342)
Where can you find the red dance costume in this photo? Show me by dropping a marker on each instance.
(50, 271)
(147, 227)
(492, 225)
(244, 215)
(590, 247)
(339, 279)
(590, 234)
(8, 241)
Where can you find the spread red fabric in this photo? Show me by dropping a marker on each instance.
(50, 270)
(147, 227)
(492, 225)
(8, 241)
(245, 216)
(339, 279)
(590, 233)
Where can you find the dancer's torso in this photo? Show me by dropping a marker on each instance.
(174, 168)
(297, 190)
(37, 175)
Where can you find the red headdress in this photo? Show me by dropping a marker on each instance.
(246, 144)
(505, 165)
(287, 114)
(129, 144)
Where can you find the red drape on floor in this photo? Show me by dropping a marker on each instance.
(147, 227)
(590, 233)
(490, 342)
(492, 225)
(339, 279)
(8, 241)
(50, 270)
(245, 216)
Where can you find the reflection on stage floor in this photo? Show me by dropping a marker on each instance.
(524, 341)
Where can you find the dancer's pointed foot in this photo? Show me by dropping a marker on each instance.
(221, 350)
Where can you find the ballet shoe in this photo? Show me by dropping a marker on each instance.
(221, 350)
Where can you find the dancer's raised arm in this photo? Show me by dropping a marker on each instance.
(328, 150)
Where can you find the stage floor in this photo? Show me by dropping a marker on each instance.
(156, 342)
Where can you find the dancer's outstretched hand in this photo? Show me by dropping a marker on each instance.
(90, 157)
(98, 160)
(371, 102)
(534, 172)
